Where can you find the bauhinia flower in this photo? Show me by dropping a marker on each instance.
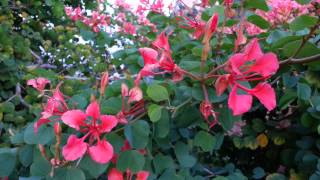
(206, 110)
(38, 83)
(154, 65)
(251, 65)
(55, 106)
(94, 125)
(128, 97)
(115, 174)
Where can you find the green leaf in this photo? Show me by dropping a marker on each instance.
(137, 134)
(69, 174)
(257, 4)
(303, 1)
(259, 21)
(154, 112)
(204, 140)
(7, 161)
(157, 93)
(287, 98)
(303, 22)
(258, 173)
(183, 156)
(92, 168)
(40, 167)
(111, 105)
(132, 160)
(226, 118)
(44, 136)
(26, 155)
(161, 163)
(162, 127)
(303, 91)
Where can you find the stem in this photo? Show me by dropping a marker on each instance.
(130, 122)
(205, 92)
(301, 60)
(194, 77)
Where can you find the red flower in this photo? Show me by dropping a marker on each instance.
(251, 65)
(211, 27)
(162, 42)
(134, 95)
(98, 124)
(206, 110)
(197, 25)
(165, 64)
(142, 175)
(38, 83)
(115, 174)
(55, 106)
(129, 28)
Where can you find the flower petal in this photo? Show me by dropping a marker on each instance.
(142, 175)
(115, 174)
(124, 90)
(93, 110)
(39, 123)
(74, 118)
(149, 55)
(252, 50)
(266, 95)
(135, 94)
(221, 84)
(266, 65)
(236, 61)
(102, 152)
(239, 103)
(108, 122)
(74, 149)
(162, 42)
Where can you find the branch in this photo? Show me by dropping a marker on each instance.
(18, 94)
(40, 62)
(301, 60)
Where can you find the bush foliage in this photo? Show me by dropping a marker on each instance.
(185, 109)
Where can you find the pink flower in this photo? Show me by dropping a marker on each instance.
(165, 63)
(206, 110)
(122, 4)
(74, 14)
(94, 126)
(104, 82)
(55, 106)
(129, 28)
(142, 175)
(162, 42)
(197, 25)
(211, 27)
(38, 83)
(115, 174)
(157, 6)
(251, 65)
(134, 95)
(204, 3)
(282, 11)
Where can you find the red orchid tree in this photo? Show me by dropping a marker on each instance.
(159, 118)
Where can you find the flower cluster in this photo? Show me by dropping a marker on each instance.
(153, 64)
(96, 21)
(250, 65)
(91, 125)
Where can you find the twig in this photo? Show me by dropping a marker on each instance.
(18, 94)
(301, 60)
